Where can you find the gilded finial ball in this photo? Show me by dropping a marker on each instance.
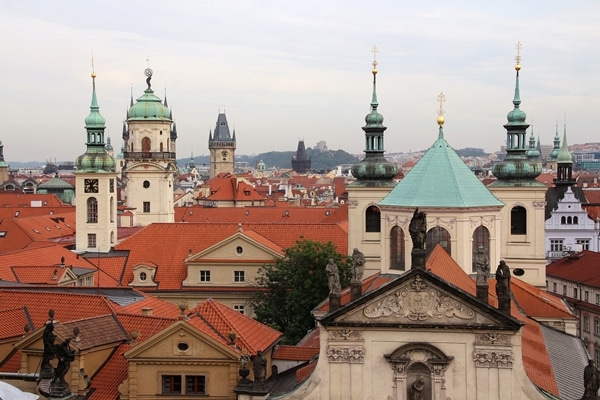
(518, 67)
(93, 74)
(374, 71)
(440, 120)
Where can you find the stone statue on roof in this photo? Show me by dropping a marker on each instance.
(333, 278)
(591, 381)
(358, 265)
(418, 229)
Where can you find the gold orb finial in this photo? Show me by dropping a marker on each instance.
(518, 47)
(374, 70)
(441, 100)
(93, 74)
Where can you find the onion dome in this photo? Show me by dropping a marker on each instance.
(148, 107)
(516, 169)
(374, 169)
(556, 149)
(95, 159)
(532, 152)
(2, 162)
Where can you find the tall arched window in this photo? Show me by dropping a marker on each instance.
(437, 235)
(569, 220)
(481, 238)
(518, 221)
(92, 210)
(563, 220)
(575, 220)
(112, 209)
(146, 145)
(373, 219)
(161, 146)
(397, 252)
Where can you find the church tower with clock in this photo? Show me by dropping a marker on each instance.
(96, 195)
(221, 145)
(150, 164)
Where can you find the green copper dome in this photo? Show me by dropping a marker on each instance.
(148, 106)
(95, 159)
(374, 169)
(556, 149)
(517, 169)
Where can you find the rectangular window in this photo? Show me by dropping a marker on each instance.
(565, 290)
(586, 323)
(585, 243)
(597, 299)
(239, 308)
(596, 326)
(146, 206)
(195, 384)
(239, 276)
(586, 296)
(597, 356)
(171, 384)
(556, 244)
(575, 293)
(554, 287)
(91, 240)
(205, 276)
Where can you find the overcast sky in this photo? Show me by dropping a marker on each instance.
(289, 70)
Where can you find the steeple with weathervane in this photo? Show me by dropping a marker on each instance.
(96, 197)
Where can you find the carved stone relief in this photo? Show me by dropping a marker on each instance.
(345, 334)
(493, 359)
(418, 302)
(345, 354)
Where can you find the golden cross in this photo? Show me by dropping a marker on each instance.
(374, 56)
(92, 60)
(518, 57)
(441, 99)
(148, 60)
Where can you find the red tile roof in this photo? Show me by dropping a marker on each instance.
(251, 334)
(582, 269)
(14, 321)
(49, 275)
(294, 353)
(180, 239)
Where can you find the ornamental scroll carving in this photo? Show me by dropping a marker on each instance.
(346, 354)
(492, 338)
(418, 302)
(493, 359)
(344, 334)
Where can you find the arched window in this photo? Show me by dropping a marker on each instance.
(575, 220)
(92, 210)
(161, 146)
(481, 238)
(146, 145)
(112, 209)
(373, 219)
(563, 220)
(518, 221)
(569, 220)
(397, 252)
(437, 235)
(112, 237)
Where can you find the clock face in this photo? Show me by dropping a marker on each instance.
(224, 154)
(90, 185)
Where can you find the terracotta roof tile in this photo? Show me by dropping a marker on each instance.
(49, 275)
(113, 373)
(582, 269)
(13, 322)
(294, 353)
(13, 363)
(251, 334)
(181, 238)
(96, 331)
(304, 372)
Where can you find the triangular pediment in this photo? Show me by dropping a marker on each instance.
(182, 341)
(419, 298)
(249, 246)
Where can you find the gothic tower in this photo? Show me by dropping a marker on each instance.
(3, 165)
(222, 148)
(374, 180)
(300, 161)
(95, 188)
(149, 158)
(524, 198)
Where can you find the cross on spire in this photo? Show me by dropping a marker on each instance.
(441, 99)
(374, 56)
(518, 47)
(148, 61)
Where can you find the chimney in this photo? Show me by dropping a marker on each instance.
(147, 311)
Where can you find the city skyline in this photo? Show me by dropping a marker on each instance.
(287, 71)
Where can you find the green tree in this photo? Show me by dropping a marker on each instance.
(290, 288)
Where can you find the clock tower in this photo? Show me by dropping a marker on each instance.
(150, 163)
(95, 188)
(222, 148)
